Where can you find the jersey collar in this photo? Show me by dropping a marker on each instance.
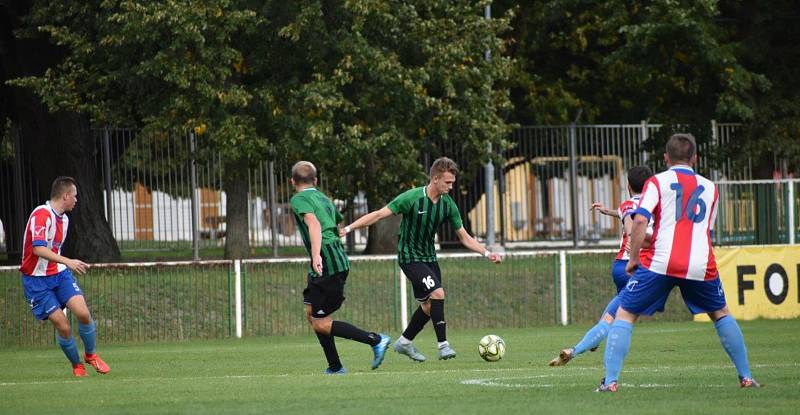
(425, 194)
(309, 188)
(682, 168)
(61, 216)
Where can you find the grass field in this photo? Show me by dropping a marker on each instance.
(672, 368)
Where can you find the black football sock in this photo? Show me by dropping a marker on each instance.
(437, 318)
(418, 321)
(349, 331)
(331, 355)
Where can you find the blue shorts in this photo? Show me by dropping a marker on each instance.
(612, 307)
(48, 294)
(619, 275)
(647, 292)
(620, 280)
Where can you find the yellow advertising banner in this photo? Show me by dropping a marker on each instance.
(760, 282)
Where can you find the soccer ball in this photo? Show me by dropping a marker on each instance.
(492, 348)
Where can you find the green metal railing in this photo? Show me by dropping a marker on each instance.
(195, 300)
(757, 212)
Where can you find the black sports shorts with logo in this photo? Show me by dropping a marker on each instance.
(425, 277)
(325, 294)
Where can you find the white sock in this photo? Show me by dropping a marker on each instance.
(443, 344)
(404, 341)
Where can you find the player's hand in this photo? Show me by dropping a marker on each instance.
(632, 265)
(599, 206)
(77, 266)
(495, 257)
(342, 233)
(316, 264)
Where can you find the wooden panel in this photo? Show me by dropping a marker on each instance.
(142, 213)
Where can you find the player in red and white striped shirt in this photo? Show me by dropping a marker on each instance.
(637, 176)
(47, 278)
(682, 205)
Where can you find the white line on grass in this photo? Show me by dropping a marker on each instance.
(563, 372)
(494, 383)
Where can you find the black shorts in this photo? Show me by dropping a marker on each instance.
(425, 277)
(325, 294)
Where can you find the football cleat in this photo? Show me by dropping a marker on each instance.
(380, 350)
(78, 370)
(563, 357)
(749, 383)
(446, 352)
(341, 371)
(408, 350)
(97, 363)
(611, 387)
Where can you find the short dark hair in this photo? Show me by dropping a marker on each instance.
(681, 147)
(60, 186)
(304, 172)
(637, 176)
(442, 165)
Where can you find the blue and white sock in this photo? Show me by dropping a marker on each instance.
(592, 338)
(88, 335)
(730, 335)
(617, 346)
(70, 349)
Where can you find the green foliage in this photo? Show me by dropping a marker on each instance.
(364, 85)
(666, 61)
(168, 65)
(765, 34)
(353, 86)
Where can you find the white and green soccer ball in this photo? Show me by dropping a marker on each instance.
(492, 348)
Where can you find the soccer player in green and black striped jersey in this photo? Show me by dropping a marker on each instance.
(424, 209)
(316, 218)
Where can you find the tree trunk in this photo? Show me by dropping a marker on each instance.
(53, 144)
(235, 184)
(382, 237)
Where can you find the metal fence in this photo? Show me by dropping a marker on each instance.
(155, 198)
(758, 212)
(198, 300)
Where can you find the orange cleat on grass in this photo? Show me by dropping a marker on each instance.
(78, 370)
(97, 363)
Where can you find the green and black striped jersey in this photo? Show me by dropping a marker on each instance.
(421, 219)
(311, 200)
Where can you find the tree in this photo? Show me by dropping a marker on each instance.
(52, 144)
(354, 86)
(763, 36)
(368, 87)
(161, 66)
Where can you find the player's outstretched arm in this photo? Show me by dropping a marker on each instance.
(604, 210)
(315, 234)
(468, 241)
(74, 265)
(366, 220)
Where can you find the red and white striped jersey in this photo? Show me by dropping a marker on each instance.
(625, 209)
(45, 228)
(683, 208)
